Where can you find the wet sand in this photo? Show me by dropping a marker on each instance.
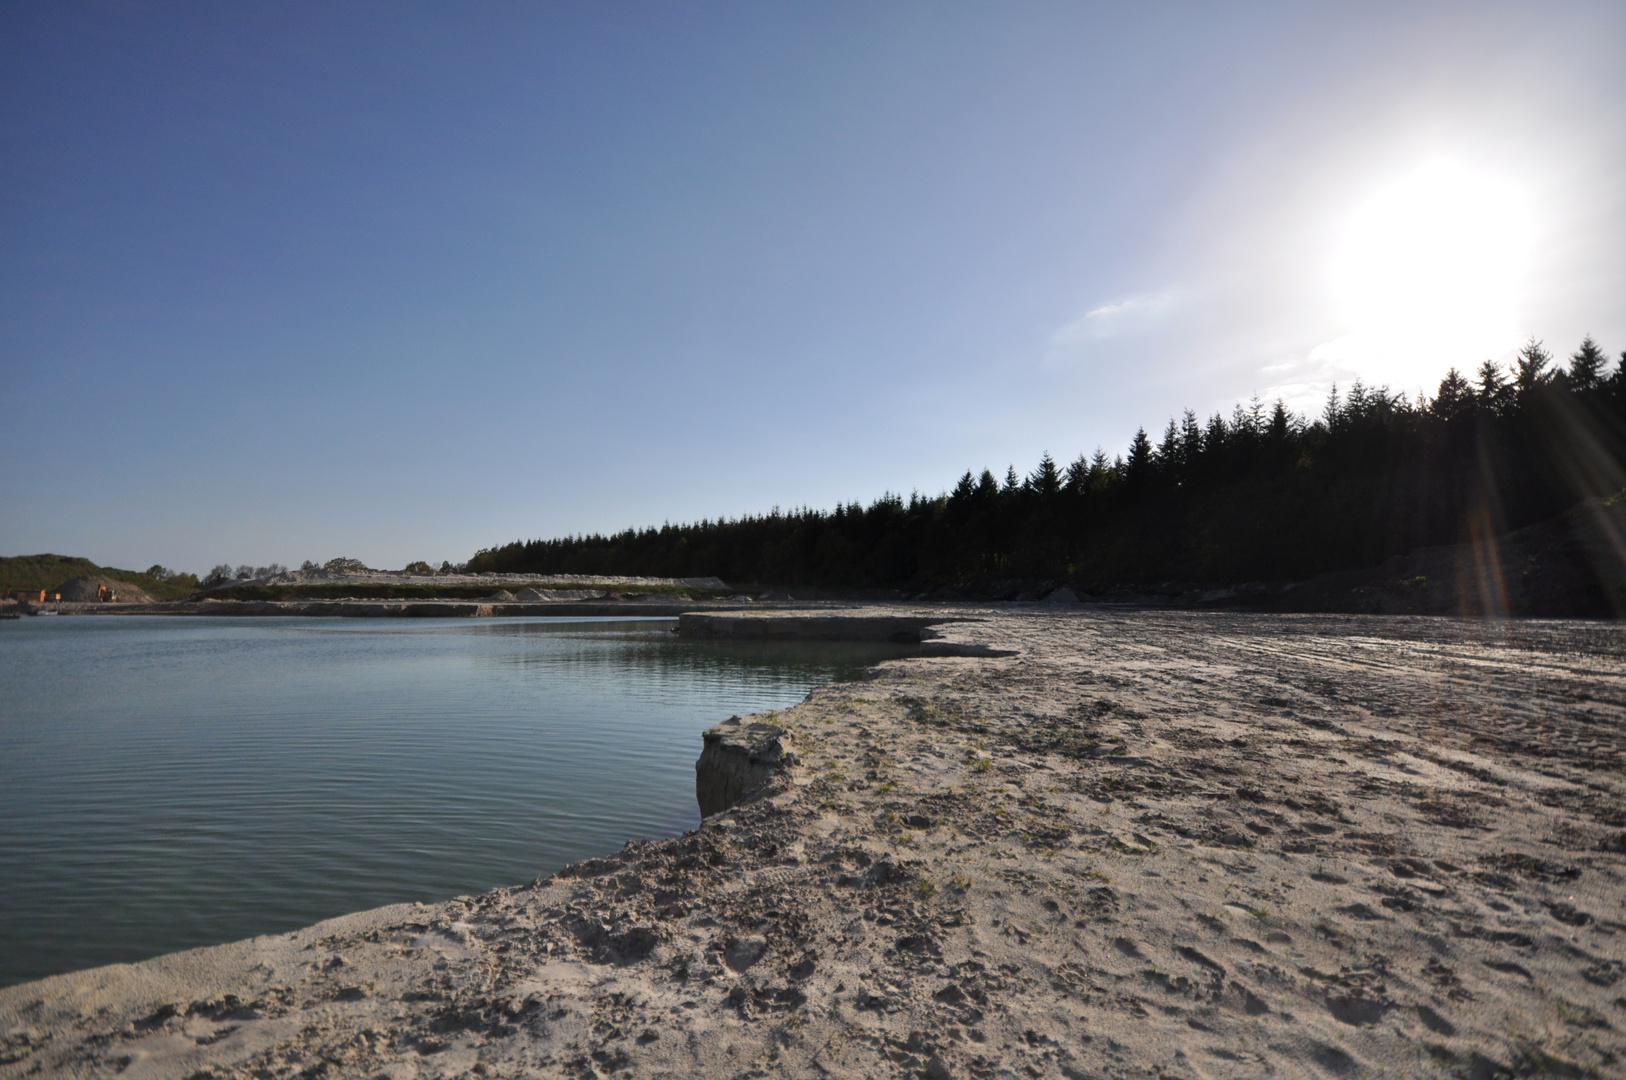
(1173, 844)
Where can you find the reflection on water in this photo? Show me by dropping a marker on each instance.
(168, 782)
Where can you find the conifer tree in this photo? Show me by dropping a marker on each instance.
(1077, 480)
(1046, 481)
(1100, 471)
(1358, 403)
(1493, 388)
(1191, 443)
(1331, 411)
(1140, 457)
(1455, 398)
(1530, 370)
(1280, 423)
(1586, 365)
(1168, 451)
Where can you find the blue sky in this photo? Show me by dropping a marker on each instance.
(397, 281)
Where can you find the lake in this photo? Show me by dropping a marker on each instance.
(171, 782)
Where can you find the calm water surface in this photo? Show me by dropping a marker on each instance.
(173, 782)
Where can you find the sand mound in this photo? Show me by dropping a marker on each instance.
(82, 589)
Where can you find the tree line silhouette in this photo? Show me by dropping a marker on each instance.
(1264, 495)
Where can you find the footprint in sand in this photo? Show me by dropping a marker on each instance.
(1127, 947)
(1435, 1022)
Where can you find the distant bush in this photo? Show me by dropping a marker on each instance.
(245, 572)
(419, 567)
(178, 585)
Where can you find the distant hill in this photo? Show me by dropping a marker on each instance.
(52, 571)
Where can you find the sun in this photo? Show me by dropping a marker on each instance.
(1428, 272)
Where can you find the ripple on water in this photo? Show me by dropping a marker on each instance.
(173, 782)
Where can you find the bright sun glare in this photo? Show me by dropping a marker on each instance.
(1428, 273)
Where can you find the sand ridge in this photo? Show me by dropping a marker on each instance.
(1170, 844)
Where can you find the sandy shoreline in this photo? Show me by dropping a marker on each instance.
(1176, 844)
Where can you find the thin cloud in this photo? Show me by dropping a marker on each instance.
(1109, 320)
